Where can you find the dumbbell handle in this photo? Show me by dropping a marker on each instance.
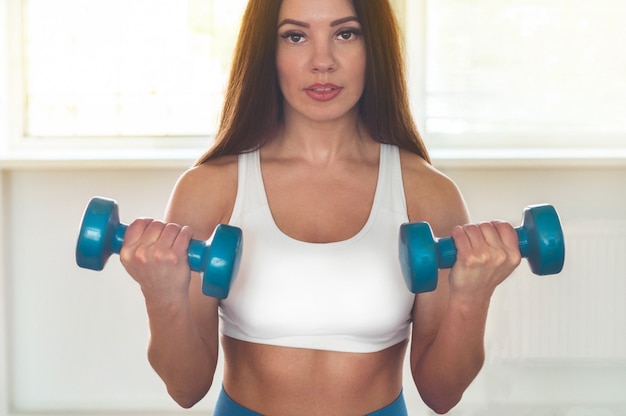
(196, 252)
(446, 250)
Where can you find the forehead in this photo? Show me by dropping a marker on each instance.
(312, 11)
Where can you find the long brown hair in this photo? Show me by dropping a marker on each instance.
(252, 109)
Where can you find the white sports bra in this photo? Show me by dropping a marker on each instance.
(342, 296)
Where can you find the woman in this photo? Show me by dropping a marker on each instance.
(319, 162)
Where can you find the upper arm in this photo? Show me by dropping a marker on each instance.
(202, 198)
(434, 198)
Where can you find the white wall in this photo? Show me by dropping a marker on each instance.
(73, 340)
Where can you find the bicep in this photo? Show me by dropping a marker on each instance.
(190, 204)
(438, 201)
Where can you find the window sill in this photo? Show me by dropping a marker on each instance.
(95, 159)
(529, 158)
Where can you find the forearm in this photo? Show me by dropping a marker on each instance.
(455, 356)
(177, 352)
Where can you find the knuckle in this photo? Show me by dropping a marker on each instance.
(500, 258)
(516, 258)
(164, 256)
(476, 259)
(168, 257)
(125, 256)
(141, 255)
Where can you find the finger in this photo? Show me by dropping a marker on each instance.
(184, 236)
(169, 234)
(485, 247)
(461, 239)
(510, 241)
(135, 230)
(491, 235)
(475, 236)
(135, 240)
(181, 241)
(153, 232)
(507, 234)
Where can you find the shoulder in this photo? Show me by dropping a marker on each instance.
(431, 195)
(204, 195)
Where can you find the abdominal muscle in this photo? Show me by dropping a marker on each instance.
(279, 381)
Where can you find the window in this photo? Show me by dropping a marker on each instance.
(520, 73)
(126, 67)
(483, 73)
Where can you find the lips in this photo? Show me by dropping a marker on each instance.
(323, 92)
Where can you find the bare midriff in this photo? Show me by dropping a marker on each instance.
(280, 381)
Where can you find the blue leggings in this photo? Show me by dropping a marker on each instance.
(226, 406)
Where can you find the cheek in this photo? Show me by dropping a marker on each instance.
(358, 69)
(284, 68)
(356, 63)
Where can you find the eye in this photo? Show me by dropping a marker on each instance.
(348, 34)
(293, 37)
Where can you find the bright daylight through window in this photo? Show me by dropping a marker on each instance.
(126, 67)
(494, 73)
(525, 72)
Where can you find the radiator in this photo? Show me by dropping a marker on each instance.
(577, 314)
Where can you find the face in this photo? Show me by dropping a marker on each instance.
(320, 58)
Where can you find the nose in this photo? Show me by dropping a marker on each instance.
(322, 59)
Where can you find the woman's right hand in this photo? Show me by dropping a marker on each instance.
(487, 254)
(155, 255)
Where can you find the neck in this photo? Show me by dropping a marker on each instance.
(321, 142)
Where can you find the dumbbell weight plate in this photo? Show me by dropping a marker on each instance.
(547, 248)
(96, 235)
(223, 261)
(420, 269)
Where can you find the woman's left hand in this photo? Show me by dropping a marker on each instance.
(487, 253)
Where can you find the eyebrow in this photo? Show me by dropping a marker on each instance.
(306, 25)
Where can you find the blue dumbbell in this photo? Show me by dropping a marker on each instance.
(101, 235)
(422, 255)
